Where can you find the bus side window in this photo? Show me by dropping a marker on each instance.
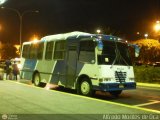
(33, 51)
(49, 50)
(40, 50)
(26, 49)
(60, 48)
(87, 51)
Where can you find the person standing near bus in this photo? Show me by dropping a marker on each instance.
(8, 68)
(15, 70)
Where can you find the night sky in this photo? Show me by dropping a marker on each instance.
(60, 16)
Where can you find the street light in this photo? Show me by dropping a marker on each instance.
(98, 31)
(146, 35)
(20, 15)
(157, 26)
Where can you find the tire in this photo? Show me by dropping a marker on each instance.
(116, 93)
(85, 87)
(37, 80)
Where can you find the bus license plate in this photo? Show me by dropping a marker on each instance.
(121, 86)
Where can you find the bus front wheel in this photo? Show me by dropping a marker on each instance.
(85, 87)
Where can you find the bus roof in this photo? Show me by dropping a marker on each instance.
(64, 36)
(75, 34)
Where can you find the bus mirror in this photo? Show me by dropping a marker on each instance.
(137, 50)
(100, 45)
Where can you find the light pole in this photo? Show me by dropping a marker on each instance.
(20, 15)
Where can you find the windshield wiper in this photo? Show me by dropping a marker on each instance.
(118, 56)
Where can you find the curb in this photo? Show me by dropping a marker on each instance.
(148, 85)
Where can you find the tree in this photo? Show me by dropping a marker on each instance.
(8, 51)
(150, 50)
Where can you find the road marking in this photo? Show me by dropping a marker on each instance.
(148, 88)
(148, 85)
(99, 100)
(149, 103)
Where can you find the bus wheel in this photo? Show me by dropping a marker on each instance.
(85, 88)
(116, 93)
(36, 79)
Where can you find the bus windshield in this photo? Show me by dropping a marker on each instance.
(114, 53)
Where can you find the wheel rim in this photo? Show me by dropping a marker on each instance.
(36, 80)
(85, 87)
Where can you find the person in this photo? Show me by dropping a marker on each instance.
(8, 68)
(15, 70)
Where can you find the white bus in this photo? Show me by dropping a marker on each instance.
(77, 60)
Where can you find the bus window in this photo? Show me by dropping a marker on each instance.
(33, 51)
(26, 49)
(60, 48)
(87, 51)
(40, 50)
(49, 50)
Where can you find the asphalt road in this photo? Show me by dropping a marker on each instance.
(143, 97)
(26, 102)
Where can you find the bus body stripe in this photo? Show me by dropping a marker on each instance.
(29, 65)
(58, 70)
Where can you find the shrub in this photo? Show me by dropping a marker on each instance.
(147, 74)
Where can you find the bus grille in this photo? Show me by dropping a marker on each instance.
(120, 76)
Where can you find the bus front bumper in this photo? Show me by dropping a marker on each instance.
(115, 86)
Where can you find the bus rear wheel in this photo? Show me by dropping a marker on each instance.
(116, 93)
(85, 87)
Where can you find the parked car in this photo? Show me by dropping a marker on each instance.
(138, 63)
(156, 64)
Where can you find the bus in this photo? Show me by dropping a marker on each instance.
(81, 61)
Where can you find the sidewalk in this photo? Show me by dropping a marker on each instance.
(148, 85)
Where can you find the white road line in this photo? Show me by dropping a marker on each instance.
(149, 103)
(149, 88)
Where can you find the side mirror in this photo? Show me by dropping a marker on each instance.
(137, 50)
(100, 45)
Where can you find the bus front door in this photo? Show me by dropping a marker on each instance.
(71, 66)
